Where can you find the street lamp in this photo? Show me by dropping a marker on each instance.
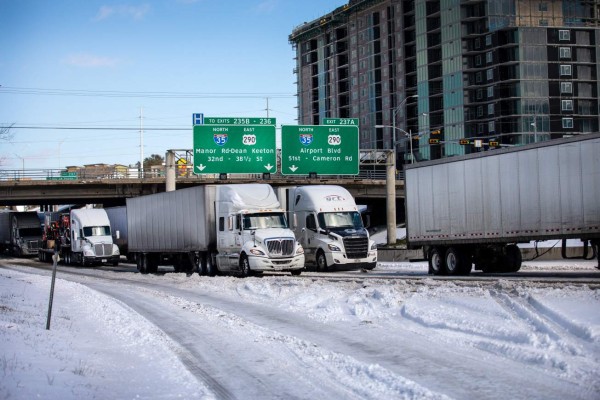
(395, 112)
(407, 134)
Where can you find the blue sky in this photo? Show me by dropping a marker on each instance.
(98, 63)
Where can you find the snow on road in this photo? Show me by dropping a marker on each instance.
(174, 337)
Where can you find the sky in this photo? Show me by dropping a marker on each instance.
(124, 64)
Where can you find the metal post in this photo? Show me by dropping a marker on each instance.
(390, 183)
(55, 259)
(412, 157)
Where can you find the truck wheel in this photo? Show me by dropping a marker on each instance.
(321, 262)
(211, 269)
(244, 266)
(437, 261)
(513, 258)
(296, 272)
(142, 264)
(457, 263)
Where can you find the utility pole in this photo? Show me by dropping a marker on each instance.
(141, 172)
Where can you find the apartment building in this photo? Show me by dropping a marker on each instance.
(470, 74)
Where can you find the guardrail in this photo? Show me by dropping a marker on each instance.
(57, 175)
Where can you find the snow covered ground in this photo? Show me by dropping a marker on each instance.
(408, 339)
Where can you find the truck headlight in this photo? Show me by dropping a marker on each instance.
(374, 246)
(333, 247)
(257, 252)
(299, 250)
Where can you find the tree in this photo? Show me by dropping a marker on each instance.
(154, 159)
(5, 135)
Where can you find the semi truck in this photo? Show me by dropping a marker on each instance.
(235, 229)
(328, 224)
(477, 208)
(20, 233)
(80, 237)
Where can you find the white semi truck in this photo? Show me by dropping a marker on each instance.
(20, 233)
(80, 237)
(328, 224)
(475, 209)
(236, 229)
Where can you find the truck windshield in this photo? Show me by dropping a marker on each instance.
(23, 232)
(96, 231)
(264, 220)
(340, 220)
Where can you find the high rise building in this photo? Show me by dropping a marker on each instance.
(509, 72)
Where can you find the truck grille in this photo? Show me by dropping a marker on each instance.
(103, 249)
(356, 247)
(280, 247)
(33, 244)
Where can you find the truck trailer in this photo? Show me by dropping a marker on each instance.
(327, 223)
(475, 209)
(80, 237)
(238, 229)
(20, 233)
(118, 228)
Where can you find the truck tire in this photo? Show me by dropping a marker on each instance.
(296, 272)
(457, 261)
(513, 258)
(437, 261)
(244, 266)
(321, 262)
(211, 269)
(142, 266)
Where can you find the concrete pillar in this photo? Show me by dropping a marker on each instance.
(170, 171)
(390, 183)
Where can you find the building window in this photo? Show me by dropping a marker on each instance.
(566, 87)
(566, 105)
(488, 40)
(491, 127)
(477, 44)
(490, 74)
(490, 109)
(565, 70)
(543, 6)
(489, 57)
(480, 111)
(543, 22)
(564, 34)
(478, 77)
(478, 60)
(490, 92)
(481, 128)
(567, 123)
(565, 52)
(479, 94)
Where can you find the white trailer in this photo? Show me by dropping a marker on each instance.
(20, 232)
(476, 208)
(329, 226)
(238, 229)
(118, 228)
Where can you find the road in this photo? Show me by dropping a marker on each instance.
(241, 347)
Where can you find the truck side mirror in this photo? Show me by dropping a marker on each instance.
(367, 221)
(75, 236)
(230, 222)
(118, 234)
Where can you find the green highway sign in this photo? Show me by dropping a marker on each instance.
(234, 149)
(323, 149)
(340, 121)
(238, 121)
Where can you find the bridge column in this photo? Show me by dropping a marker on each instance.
(390, 183)
(170, 171)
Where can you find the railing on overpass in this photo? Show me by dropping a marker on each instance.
(372, 166)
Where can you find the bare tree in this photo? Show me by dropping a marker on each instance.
(5, 136)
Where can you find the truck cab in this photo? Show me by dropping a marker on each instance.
(252, 232)
(91, 240)
(329, 226)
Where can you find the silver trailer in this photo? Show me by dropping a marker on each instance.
(118, 227)
(20, 232)
(238, 229)
(476, 208)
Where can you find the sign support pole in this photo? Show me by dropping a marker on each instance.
(390, 184)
